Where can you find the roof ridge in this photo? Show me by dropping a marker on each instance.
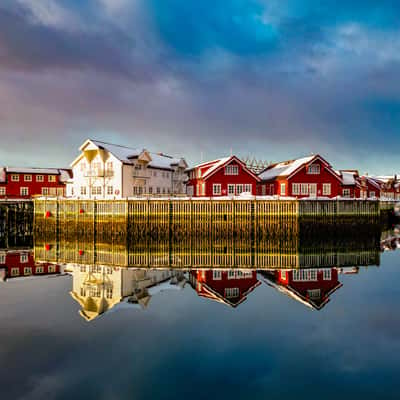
(114, 144)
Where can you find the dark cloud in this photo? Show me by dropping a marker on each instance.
(273, 78)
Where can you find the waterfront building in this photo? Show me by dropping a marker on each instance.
(226, 286)
(351, 185)
(389, 186)
(23, 183)
(108, 171)
(310, 176)
(311, 287)
(227, 176)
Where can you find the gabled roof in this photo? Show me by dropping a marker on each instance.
(215, 165)
(290, 167)
(127, 154)
(373, 181)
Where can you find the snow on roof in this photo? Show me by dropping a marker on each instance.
(285, 168)
(216, 165)
(24, 170)
(125, 154)
(348, 177)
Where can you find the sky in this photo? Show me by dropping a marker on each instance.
(271, 79)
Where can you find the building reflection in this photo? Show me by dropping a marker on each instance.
(99, 289)
(311, 287)
(226, 286)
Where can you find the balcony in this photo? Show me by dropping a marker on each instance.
(98, 173)
(140, 174)
(180, 177)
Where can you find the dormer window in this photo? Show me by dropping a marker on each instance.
(232, 170)
(314, 169)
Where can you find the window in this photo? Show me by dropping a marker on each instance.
(327, 274)
(248, 188)
(271, 189)
(110, 190)
(24, 191)
(39, 270)
(45, 191)
(314, 293)
(295, 188)
(313, 189)
(304, 275)
(231, 190)
(154, 173)
(14, 271)
(27, 178)
(83, 190)
(96, 190)
(326, 189)
(83, 291)
(283, 189)
(372, 194)
(14, 178)
(314, 169)
(2, 191)
(109, 292)
(158, 190)
(216, 189)
(189, 190)
(60, 191)
(150, 189)
(27, 271)
(232, 170)
(39, 178)
(2, 258)
(109, 270)
(53, 191)
(52, 178)
(304, 188)
(283, 275)
(217, 275)
(231, 292)
(239, 189)
(83, 268)
(163, 190)
(23, 258)
(346, 192)
(51, 269)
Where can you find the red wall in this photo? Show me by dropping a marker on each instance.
(35, 188)
(325, 176)
(219, 177)
(13, 260)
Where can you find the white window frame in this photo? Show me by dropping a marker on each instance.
(110, 190)
(217, 275)
(216, 189)
(52, 178)
(232, 292)
(295, 189)
(45, 191)
(346, 193)
(372, 194)
(282, 188)
(326, 189)
(314, 293)
(232, 170)
(231, 189)
(314, 191)
(327, 274)
(24, 191)
(239, 189)
(39, 178)
(3, 190)
(304, 189)
(304, 275)
(14, 178)
(27, 178)
(2, 258)
(314, 169)
(248, 188)
(83, 191)
(27, 270)
(23, 258)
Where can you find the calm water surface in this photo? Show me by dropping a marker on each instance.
(192, 336)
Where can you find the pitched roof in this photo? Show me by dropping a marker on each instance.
(214, 165)
(284, 168)
(127, 154)
(348, 177)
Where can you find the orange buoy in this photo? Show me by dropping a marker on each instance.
(47, 246)
(48, 214)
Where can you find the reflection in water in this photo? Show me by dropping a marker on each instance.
(99, 289)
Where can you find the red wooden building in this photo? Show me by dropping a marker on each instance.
(351, 183)
(310, 176)
(370, 188)
(311, 287)
(227, 176)
(389, 186)
(21, 263)
(229, 286)
(23, 183)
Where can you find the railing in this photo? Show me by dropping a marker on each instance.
(98, 173)
(140, 174)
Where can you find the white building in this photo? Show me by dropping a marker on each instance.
(108, 171)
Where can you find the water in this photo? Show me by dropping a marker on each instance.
(188, 333)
